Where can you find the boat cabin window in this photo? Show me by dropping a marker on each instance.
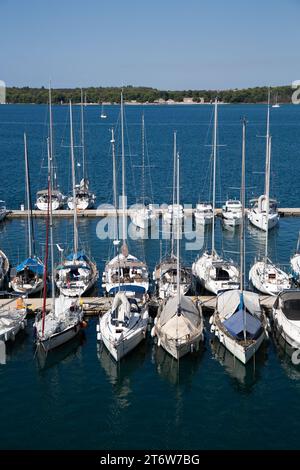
(222, 275)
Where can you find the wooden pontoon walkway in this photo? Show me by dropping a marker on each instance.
(97, 305)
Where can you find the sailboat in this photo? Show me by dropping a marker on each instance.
(4, 269)
(64, 320)
(286, 316)
(29, 274)
(179, 322)
(85, 199)
(295, 262)
(203, 213)
(12, 320)
(57, 198)
(276, 104)
(232, 213)
(263, 212)
(124, 326)
(213, 272)
(165, 272)
(77, 273)
(103, 114)
(144, 215)
(238, 321)
(264, 275)
(174, 213)
(124, 271)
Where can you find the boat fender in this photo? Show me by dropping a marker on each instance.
(99, 337)
(6, 337)
(23, 325)
(98, 328)
(153, 332)
(155, 320)
(158, 342)
(212, 328)
(211, 319)
(83, 324)
(192, 348)
(221, 338)
(217, 333)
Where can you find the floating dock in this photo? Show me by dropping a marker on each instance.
(108, 212)
(94, 306)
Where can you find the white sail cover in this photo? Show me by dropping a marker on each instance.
(121, 306)
(228, 302)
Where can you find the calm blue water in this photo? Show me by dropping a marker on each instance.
(81, 398)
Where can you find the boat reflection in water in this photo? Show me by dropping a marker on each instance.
(63, 354)
(119, 372)
(289, 357)
(247, 375)
(177, 372)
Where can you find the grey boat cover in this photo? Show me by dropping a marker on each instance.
(186, 325)
(289, 302)
(229, 301)
(188, 310)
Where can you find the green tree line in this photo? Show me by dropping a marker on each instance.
(146, 94)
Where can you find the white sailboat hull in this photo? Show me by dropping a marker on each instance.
(203, 270)
(261, 221)
(143, 219)
(27, 289)
(262, 278)
(118, 346)
(82, 204)
(181, 349)
(9, 331)
(240, 352)
(60, 338)
(43, 206)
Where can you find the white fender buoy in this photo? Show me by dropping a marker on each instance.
(212, 328)
(155, 320)
(99, 337)
(211, 319)
(97, 327)
(153, 332)
(158, 342)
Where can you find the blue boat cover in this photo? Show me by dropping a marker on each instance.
(80, 256)
(235, 324)
(33, 264)
(128, 288)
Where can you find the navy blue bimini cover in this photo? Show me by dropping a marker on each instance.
(33, 264)
(235, 324)
(80, 256)
(128, 288)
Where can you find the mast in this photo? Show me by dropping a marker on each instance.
(114, 184)
(174, 189)
(178, 246)
(242, 230)
(53, 176)
(31, 242)
(268, 168)
(50, 171)
(75, 247)
(143, 159)
(82, 134)
(124, 245)
(214, 176)
(267, 139)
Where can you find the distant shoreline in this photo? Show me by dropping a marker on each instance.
(147, 96)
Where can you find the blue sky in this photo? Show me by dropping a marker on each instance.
(169, 44)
